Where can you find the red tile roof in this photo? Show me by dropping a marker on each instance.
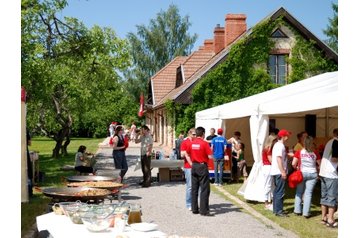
(191, 65)
(164, 80)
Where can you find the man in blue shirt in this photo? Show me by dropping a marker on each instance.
(218, 145)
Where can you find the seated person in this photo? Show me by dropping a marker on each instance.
(82, 163)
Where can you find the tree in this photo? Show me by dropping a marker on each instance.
(332, 29)
(67, 69)
(156, 45)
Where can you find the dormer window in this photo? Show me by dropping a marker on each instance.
(278, 33)
(179, 77)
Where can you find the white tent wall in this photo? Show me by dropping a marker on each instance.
(208, 124)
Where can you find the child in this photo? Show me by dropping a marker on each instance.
(241, 164)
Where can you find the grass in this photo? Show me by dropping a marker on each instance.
(299, 225)
(53, 175)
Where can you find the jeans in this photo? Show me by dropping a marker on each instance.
(329, 192)
(306, 187)
(218, 177)
(278, 193)
(188, 187)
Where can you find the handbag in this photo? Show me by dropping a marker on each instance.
(296, 176)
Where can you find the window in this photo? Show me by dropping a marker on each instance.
(278, 34)
(278, 68)
(179, 77)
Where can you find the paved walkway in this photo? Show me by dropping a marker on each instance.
(163, 204)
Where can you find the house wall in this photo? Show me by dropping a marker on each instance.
(162, 132)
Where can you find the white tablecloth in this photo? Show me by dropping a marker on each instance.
(162, 164)
(60, 226)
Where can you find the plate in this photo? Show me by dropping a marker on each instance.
(144, 226)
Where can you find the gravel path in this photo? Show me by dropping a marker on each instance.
(163, 204)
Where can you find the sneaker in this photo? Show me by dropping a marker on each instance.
(220, 185)
(189, 208)
(216, 184)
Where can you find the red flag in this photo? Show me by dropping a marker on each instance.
(141, 106)
(23, 94)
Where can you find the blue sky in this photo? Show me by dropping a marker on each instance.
(123, 16)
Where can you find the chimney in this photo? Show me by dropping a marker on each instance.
(219, 38)
(209, 45)
(235, 25)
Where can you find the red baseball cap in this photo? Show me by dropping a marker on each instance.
(283, 133)
(220, 131)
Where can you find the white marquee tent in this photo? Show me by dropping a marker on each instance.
(288, 105)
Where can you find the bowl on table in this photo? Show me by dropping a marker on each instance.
(97, 223)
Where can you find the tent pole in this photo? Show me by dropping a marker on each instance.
(327, 123)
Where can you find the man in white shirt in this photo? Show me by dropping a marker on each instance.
(279, 172)
(329, 180)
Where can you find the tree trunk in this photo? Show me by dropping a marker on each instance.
(56, 150)
(62, 135)
(67, 142)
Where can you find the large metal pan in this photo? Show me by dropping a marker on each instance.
(90, 178)
(71, 194)
(109, 185)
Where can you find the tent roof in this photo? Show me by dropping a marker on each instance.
(320, 91)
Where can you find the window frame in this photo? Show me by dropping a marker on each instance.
(276, 79)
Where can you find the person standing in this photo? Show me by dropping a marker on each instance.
(306, 159)
(111, 129)
(178, 143)
(329, 181)
(200, 154)
(146, 141)
(266, 169)
(211, 136)
(119, 154)
(235, 141)
(218, 145)
(187, 165)
(30, 174)
(133, 131)
(279, 172)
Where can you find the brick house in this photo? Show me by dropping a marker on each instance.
(176, 80)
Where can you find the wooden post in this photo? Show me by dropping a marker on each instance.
(24, 187)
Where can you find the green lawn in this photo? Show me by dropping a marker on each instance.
(301, 226)
(53, 177)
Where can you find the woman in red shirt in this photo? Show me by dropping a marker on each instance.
(266, 168)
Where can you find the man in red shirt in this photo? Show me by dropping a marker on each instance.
(187, 165)
(200, 153)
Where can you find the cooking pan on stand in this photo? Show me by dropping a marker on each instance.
(90, 178)
(78, 193)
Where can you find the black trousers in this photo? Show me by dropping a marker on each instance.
(84, 169)
(200, 178)
(147, 174)
(234, 168)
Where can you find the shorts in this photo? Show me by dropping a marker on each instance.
(329, 192)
